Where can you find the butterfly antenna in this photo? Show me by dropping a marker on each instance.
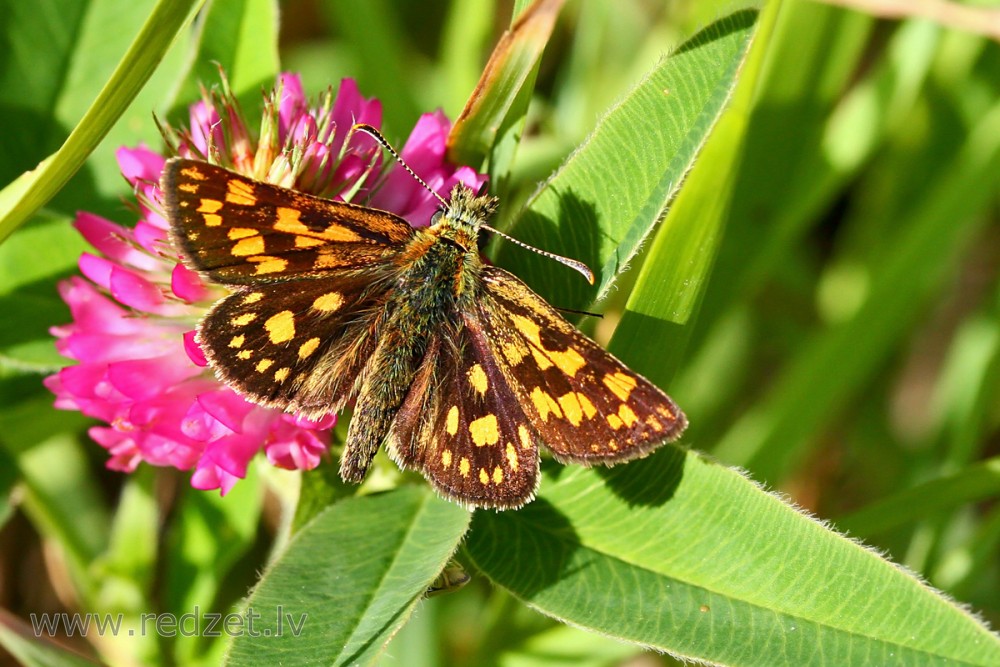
(566, 261)
(377, 136)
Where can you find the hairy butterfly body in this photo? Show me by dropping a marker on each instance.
(458, 367)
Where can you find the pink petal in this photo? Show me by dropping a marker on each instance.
(205, 127)
(187, 284)
(94, 312)
(102, 348)
(113, 240)
(97, 269)
(86, 380)
(148, 378)
(140, 163)
(134, 290)
(227, 407)
(350, 108)
(292, 103)
(303, 451)
(152, 237)
(125, 456)
(193, 350)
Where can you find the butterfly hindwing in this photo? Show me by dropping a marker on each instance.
(238, 231)
(587, 406)
(297, 345)
(462, 426)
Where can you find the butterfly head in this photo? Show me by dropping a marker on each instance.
(465, 213)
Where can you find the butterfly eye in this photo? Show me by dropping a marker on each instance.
(437, 216)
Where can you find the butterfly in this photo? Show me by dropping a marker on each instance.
(456, 366)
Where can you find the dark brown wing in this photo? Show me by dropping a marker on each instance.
(297, 345)
(587, 406)
(461, 426)
(238, 231)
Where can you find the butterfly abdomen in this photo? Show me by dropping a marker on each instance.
(424, 301)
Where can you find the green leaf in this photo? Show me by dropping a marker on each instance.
(32, 190)
(241, 38)
(497, 106)
(604, 202)
(658, 317)
(351, 577)
(690, 557)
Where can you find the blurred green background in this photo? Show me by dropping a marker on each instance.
(845, 351)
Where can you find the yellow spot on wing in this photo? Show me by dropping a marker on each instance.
(264, 364)
(620, 384)
(478, 379)
(281, 327)
(244, 319)
(282, 374)
(514, 352)
(267, 264)
(485, 431)
(512, 456)
(545, 404)
(240, 193)
(308, 347)
(237, 341)
(446, 458)
(193, 173)
(483, 477)
(212, 220)
(289, 222)
(252, 297)
(306, 242)
(328, 302)
(497, 475)
(240, 232)
(187, 187)
(524, 436)
(244, 354)
(252, 245)
(451, 421)
(463, 467)
(576, 406)
(628, 417)
(615, 422)
(209, 206)
(569, 361)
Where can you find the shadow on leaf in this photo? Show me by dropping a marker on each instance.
(526, 551)
(651, 481)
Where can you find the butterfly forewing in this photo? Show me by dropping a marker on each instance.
(243, 232)
(587, 406)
